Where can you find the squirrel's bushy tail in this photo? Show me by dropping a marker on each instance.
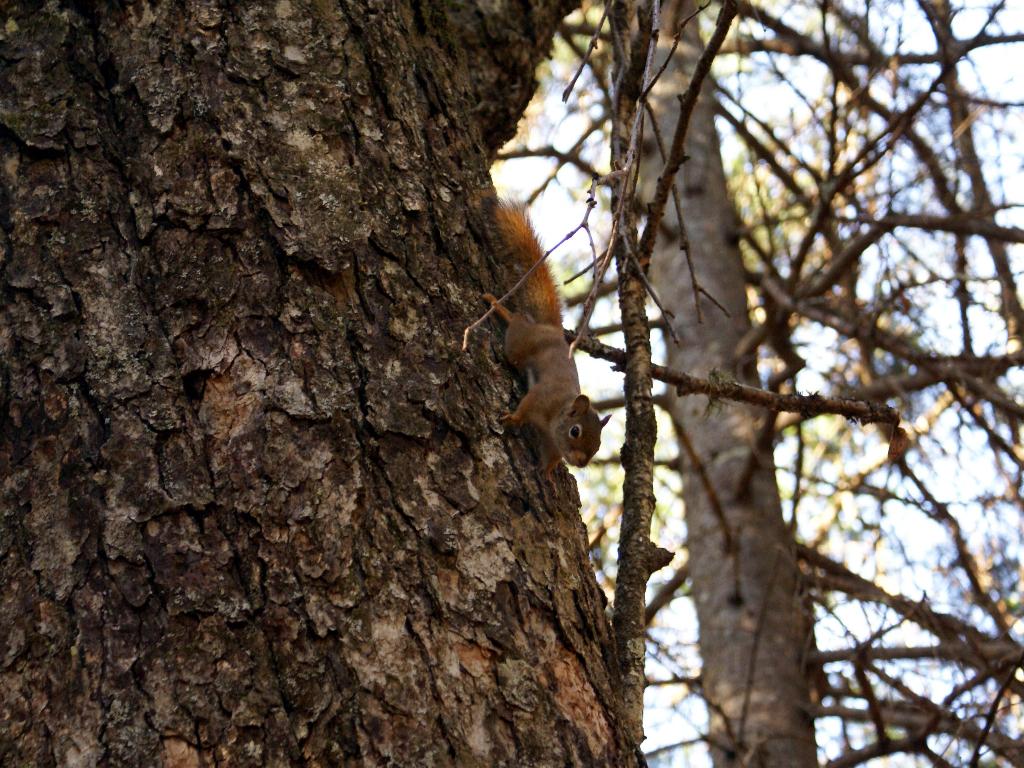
(539, 296)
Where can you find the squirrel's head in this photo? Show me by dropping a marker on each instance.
(580, 432)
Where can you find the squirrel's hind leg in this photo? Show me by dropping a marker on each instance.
(503, 313)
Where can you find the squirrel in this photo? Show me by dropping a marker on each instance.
(535, 343)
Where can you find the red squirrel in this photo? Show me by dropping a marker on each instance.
(535, 343)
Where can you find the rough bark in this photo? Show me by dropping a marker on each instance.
(741, 555)
(255, 505)
(504, 42)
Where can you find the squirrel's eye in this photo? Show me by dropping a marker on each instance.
(575, 431)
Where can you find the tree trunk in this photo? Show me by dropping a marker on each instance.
(753, 633)
(256, 505)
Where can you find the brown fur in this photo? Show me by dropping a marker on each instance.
(538, 297)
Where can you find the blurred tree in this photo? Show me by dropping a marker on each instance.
(741, 563)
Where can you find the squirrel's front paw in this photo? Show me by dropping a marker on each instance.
(509, 419)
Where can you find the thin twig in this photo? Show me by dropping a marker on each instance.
(590, 50)
(675, 44)
(728, 537)
(584, 224)
(990, 718)
(624, 193)
(656, 210)
(762, 616)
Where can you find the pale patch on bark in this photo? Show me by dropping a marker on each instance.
(577, 699)
(475, 659)
(227, 406)
(485, 556)
(178, 753)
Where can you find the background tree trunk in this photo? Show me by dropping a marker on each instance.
(742, 564)
(256, 506)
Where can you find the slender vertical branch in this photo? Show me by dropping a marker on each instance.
(638, 557)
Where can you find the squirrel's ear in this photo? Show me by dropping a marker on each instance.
(605, 419)
(581, 404)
